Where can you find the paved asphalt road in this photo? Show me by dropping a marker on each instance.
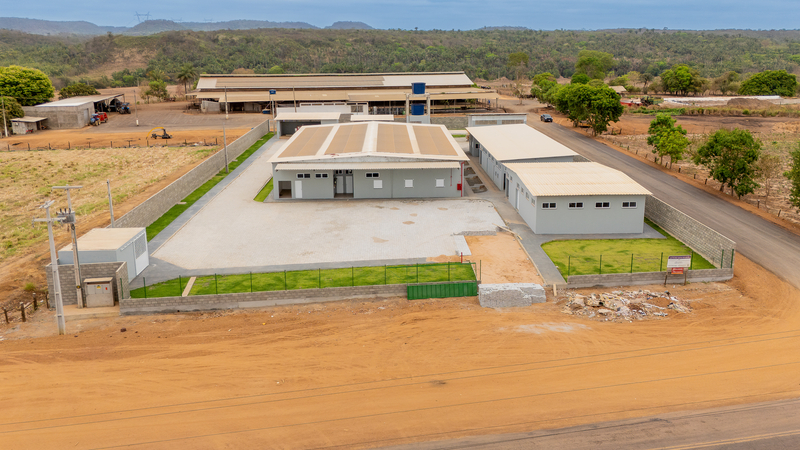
(763, 242)
(760, 426)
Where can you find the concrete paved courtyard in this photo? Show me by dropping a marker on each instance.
(234, 231)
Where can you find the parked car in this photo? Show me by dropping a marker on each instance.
(546, 118)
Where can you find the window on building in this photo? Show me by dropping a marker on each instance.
(440, 182)
(373, 175)
(576, 205)
(602, 205)
(527, 195)
(377, 184)
(303, 175)
(322, 175)
(409, 183)
(629, 204)
(548, 205)
(338, 172)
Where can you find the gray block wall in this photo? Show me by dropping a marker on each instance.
(702, 239)
(66, 274)
(62, 117)
(133, 306)
(631, 279)
(154, 207)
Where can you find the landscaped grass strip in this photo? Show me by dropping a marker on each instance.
(264, 193)
(312, 279)
(173, 213)
(585, 257)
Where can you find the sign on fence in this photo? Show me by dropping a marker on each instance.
(677, 271)
(684, 261)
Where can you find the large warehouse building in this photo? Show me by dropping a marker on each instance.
(499, 145)
(369, 160)
(356, 93)
(73, 112)
(576, 198)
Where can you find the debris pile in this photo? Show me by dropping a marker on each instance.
(624, 305)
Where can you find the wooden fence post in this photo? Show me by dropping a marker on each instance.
(5, 311)
(22, 310)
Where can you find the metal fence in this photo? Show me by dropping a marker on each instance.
(308, 279)
(628, 263)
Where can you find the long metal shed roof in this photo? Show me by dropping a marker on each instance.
(516, 142)
(311, 115)
(574, 178)
(77, 101)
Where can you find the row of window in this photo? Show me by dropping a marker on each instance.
(377, 184)
(579, 205)
(308, 175)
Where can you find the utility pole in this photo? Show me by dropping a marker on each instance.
(62, 329)
(225, 145)
(294, 99)
(135, 109)
(5, 125)
(68, 217)
(110, 202)
(226, 102)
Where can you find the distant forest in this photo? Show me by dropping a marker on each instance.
(480, 53)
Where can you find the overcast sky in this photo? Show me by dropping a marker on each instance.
(440, 14)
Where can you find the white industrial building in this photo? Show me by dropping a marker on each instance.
(576, 198)
(499, 145)
(369, 160)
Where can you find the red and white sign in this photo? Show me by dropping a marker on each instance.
(677, 270)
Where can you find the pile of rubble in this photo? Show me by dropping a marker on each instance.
(624, 305)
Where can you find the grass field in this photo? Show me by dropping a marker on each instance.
(585, 257)
(311, 279)
(173, 213)
(265, 191)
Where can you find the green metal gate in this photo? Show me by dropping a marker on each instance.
(442, 290)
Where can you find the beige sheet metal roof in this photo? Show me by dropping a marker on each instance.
(28, 119)
(299, 81)
(372, 118)
(105, 239)
(574, 178)
(308, 116)
(387, 139)
(516, 142)
(77, 101)
(372, 165)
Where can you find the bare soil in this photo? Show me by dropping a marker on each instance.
(360, 374)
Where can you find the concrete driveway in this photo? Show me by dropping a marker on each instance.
(232, 231)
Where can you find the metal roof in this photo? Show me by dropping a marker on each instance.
(28, 119)
(301, 81)
(516, 142)
(371, 165)
(78, 101)
(330, 95)
(574, 178)
(310, 115)
(104, 239)
(372, 139)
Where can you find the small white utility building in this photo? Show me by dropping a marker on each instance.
(576, 198)
(111, 245)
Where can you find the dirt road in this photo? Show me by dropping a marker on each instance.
(370, 374)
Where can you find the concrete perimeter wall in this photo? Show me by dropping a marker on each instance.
(66, 273)
(131, 306)
(702, 239)
(630, 279)
(450, 122)
(154, 207)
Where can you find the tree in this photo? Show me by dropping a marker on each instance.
(726, 83)
(731, 158)
(186, 75)
(156, 75)
(681, 79)
(28, 86)
(596, 105)
(769, 167)
(541, 83)
(594, 63)
(13, 110)
(666, 138)
(770, 82)
(276, 70)
(793, 174)
(646, 78)
(580, 78)
(518, 62)
(76, 90)
(157, 89)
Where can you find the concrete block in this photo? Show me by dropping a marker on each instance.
(510, 295)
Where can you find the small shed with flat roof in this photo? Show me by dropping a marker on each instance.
(101, 245)
(27, 124)
(577, 198)
(369, 160)
(288, 123)
(498, 145)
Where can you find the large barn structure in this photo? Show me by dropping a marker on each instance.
(576, 198)
(498, 145)
(73, 112)
(369, 160)
(353, 93)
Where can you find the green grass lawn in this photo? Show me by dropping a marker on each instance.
(583, 257)
(311, 279)
(264, 193)
(173, 213)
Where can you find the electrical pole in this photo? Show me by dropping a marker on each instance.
(225, 145)
(68, 217)
(110, 202)
(226, 102)
(5, 125)
(54, 267)
(135, 109)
